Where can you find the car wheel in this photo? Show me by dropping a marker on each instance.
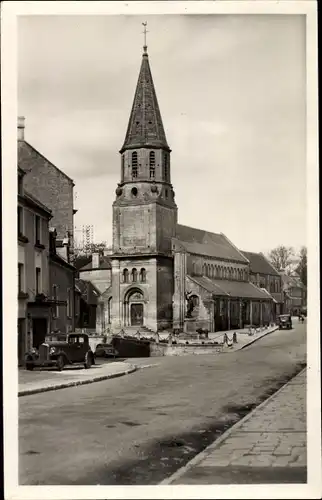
(88, 361)
(60, 363)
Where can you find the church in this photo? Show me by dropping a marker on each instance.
(164, 276)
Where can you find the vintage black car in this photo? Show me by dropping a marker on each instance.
(58, 351)
(105, 351)
(284, 321)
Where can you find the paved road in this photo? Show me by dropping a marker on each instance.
(139, 429)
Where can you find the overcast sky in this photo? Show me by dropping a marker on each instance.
(231, 91)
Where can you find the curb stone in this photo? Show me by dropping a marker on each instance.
(29, 392)
(203, 454)
(258, 338)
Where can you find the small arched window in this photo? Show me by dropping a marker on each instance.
(134, 275)
(143, 275)
(204, 270)
(212, 271)
(125, 276)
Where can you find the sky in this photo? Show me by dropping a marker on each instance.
(231, 90)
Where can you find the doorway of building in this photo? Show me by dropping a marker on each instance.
(136, 314)
(39, 330)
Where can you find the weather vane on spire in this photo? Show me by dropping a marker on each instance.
(145, 32)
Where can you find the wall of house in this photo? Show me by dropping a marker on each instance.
(54, 189)
(35, 257)
(31, 257)
(63, 278)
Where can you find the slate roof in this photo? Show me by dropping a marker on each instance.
(259, 264)
(234, 289)
(145, 126)
(88, 291)
(104, 263)
(201, 242)
(29, 156)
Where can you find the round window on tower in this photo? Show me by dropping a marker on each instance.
(134, 191)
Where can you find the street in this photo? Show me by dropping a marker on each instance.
(140, 428)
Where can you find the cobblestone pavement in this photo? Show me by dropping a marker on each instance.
(272, 437)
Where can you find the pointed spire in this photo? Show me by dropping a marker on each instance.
(145, 126)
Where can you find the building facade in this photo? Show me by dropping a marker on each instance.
(264, 275)
(33, 273)
(45, 275)
(61, 287)
(50, 186)
(165, 275)
(294, 293)
(98, 272)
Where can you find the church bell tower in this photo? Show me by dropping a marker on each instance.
(144, 217)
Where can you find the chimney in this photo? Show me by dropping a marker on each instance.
(21, 128)
(95, 260)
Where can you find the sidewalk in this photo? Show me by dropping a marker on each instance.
(49, 380)
(243, 337)
(267, 446)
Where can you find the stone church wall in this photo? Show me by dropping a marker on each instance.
(165, 292)
(206, 266)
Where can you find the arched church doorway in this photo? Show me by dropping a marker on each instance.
(134, 308)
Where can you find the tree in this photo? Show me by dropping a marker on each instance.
(82, 255)
(301, 268)
(282, 258)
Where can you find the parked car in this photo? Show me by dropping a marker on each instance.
(59, 352)
(105, 351)
(285, 321)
